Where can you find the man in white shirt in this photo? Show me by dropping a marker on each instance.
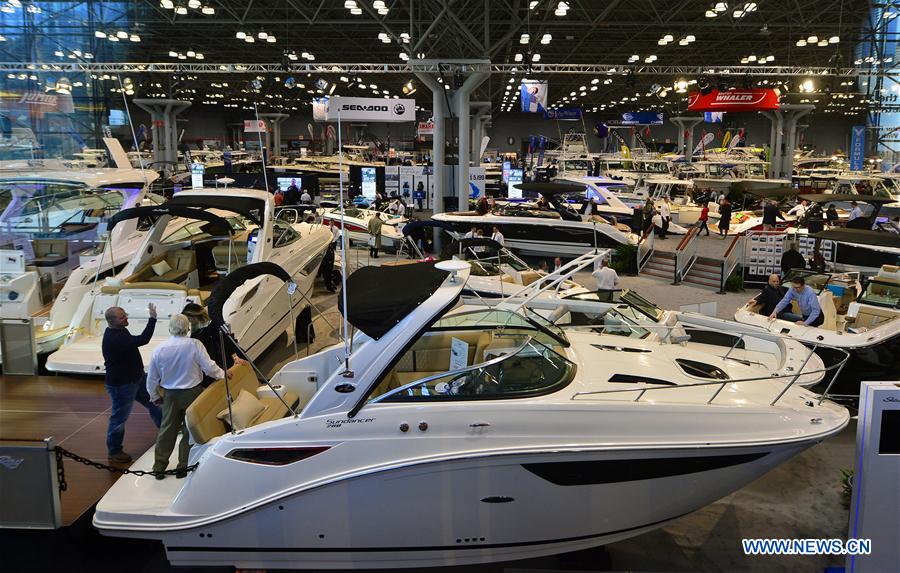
(665, 214)
(607, 278)
(798, 210)
(855, 211)
(177, 365)
(498, 236)
(473, 232)
(401, 208)
(306, 198)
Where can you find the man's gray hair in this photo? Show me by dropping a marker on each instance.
(179, 325)
(111, 314)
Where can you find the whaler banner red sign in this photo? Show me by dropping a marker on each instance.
(734, 100)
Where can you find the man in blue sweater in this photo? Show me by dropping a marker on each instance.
(125, 377)
(810, 310)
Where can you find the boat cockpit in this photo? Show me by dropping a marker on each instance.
(478, 355)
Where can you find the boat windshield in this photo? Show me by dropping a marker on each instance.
(484, 265)
(530, 368)
(545, 332)
(195, 230)
(58, 208)
(642, 305)
(880, 292)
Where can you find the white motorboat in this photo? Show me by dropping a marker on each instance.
(56, 219)
(550, 231)
(220, 232)
(496, 436)
(865, 323)
(721, 175)
(356, 223)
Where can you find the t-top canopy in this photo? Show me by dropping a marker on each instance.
(860, 236)
(770, 193)
(156, 211)
(415, 225)
(479, 242)
(845, 198)
(380, 297)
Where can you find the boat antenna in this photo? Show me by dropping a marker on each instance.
(137, 148)
(347, 373)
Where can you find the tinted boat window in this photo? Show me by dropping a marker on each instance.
(701, 369)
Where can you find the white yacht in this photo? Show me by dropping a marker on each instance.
(553, 230)
(220, 232)
(356, 223)
(543, 440)
(865, 323)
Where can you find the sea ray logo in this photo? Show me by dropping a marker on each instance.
(11, 463)
(399, 109)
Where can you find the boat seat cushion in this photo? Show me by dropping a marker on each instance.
(244, 411)
(871, 317)
(181, 263)
(829, 312)
(529, 277)
(201, 415)
(49, 252)
(238, 255)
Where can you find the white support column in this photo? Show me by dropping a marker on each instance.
(686, 124)
(461, 101)
(165, 136)
(273, 140)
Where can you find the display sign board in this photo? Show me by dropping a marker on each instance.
(506, 167)
(254, 126)
(476, 182)
(459, 354)
(515, 179)
(197, 170)
(285, 182)
(319, 106)
(425, 128)
(369, 183)
(756, 99)
(640, 118)
(563, 113)
(857, 147)
(763, 251)
(370, 109)
(533, 95)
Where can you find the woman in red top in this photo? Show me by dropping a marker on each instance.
(704, 217)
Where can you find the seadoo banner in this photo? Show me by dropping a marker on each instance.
(638, 118)
(756, 99)
(370, 109)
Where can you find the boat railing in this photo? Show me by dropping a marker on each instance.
(837, 367)
(645, 248)
(556, 279)
(686, 254)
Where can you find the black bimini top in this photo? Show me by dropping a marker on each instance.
(860, 236)
(249, 207)
(547, 189)
(155, 211)
(380, 297)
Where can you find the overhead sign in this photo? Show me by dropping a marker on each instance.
(638, 118)
(370, 109)
(757, 99)
(319, 105)
(857, 147)
(533, 95)
(425, 128)
(712, 116)
(254, 126)
(37, 98)
(563, 113)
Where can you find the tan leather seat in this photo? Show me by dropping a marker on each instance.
(201, 414)
(49, 252)
(150, 285)
(238, 255)
(829, 312)
(182, 263)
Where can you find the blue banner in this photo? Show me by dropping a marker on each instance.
(639, 118)
(533, 95)
(857, 147)
(563, 113)
(712, 116)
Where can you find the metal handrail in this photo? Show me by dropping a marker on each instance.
(734, 255)
(646, 242)
(686, 254)
(555, 278)
(722, 383)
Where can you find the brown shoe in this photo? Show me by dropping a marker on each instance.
(120, 458)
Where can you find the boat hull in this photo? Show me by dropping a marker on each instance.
(478, 509)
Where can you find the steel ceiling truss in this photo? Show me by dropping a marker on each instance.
(535, 70)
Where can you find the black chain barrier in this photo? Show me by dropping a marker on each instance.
(61, 474)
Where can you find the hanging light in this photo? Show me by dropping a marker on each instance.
(812, 40)
(99, 34)
(545, 39)
(208, 10)
(167, 4)
(834, 39)
(271, 39)
(134, 38)
(524, 38)
(262, 35)
(801, 42)
(240, 35)
(122, 34)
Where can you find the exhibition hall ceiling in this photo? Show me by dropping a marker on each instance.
(637, 37)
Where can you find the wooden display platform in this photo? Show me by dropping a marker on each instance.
(74, 411)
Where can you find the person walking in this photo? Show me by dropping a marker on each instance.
(665, 214)
(649, 212)
(703, 219)
(374, 226)
(125, 377)
(724, 217)
(607, 278)
(177, 366)
(306, 198)
(810, 310)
